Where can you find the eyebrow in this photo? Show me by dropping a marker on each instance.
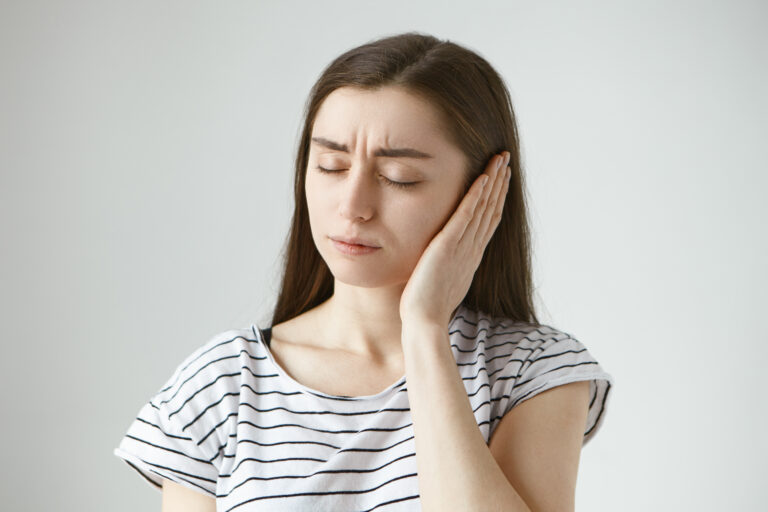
(387, 152)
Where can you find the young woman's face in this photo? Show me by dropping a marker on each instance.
(356, 133)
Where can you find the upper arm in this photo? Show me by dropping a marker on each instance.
(177, 498)
(538, 443)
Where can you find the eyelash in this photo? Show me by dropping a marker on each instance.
(396, 184)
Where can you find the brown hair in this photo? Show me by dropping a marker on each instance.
(478, 118)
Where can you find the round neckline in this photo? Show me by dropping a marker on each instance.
(306, 389)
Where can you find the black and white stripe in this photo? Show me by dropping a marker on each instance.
(232, 424)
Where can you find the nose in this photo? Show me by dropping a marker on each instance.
(358, 193)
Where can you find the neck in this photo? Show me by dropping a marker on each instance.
(364, 321)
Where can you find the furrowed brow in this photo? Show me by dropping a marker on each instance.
(384, 152)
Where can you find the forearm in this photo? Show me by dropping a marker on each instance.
(456, 469)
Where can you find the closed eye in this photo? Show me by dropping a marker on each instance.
(397, 184)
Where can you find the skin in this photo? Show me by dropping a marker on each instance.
(371, 292)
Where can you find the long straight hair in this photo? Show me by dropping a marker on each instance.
(478, 118)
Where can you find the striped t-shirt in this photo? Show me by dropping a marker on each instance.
(232, 424)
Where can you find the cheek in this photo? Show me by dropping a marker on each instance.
(317, 201)
(417, 225)
(316, 210)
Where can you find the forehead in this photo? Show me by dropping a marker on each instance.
(389, 114)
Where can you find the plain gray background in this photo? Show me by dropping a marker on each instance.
(146, 156)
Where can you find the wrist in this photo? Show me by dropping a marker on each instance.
(423, 332)
(422, 323)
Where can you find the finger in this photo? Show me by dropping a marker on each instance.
(486, 232)
(492, 212)
(457, 224)
(482, 210)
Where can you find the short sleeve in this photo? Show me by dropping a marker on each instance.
(543, 364)
(156, 446)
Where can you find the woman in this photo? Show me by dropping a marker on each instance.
(407, 262)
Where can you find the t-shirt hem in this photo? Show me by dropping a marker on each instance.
(595, 417)
(154, 476)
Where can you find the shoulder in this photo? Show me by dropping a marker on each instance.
(523, 360)
(220, 353)
(477, 330)
(204, 388)
(180, 432)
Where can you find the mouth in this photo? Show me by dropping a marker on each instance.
(353, 249)
(354, 242)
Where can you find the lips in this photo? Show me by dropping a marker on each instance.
(354, 240)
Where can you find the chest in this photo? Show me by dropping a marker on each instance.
(333, 372)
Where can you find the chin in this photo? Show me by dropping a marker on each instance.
(366, 275)
(360, 279)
